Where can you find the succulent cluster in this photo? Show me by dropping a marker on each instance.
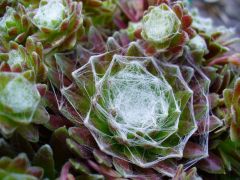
(14, 25)
(116, 89)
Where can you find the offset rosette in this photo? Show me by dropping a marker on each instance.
(20, 94)
(160, 25)
(30, 57)
(20, 106)
(58, 27)
(165, 28)
(14, 25)
(19, 98)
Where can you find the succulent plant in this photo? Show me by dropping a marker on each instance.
(57, 28)
(169, 25)
(26, 58)
(14, 25)
(20, 106)
(217, 38)
(19, 168)
(116, 89)
(115, 96)
(224, 141)
(167, 28)
(90, 162)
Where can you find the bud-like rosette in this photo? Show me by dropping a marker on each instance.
(58, 22)
(19, 168)
(30, 57)
(14, 25)
(165, 28)
(160, 26)
(137, 108)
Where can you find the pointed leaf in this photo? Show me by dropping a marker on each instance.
(44, 158)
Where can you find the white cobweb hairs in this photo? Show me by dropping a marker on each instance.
(136, 103)
(126, 87)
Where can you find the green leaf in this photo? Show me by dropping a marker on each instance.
(44, 159)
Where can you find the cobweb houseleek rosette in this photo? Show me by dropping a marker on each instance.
(89, 88)
(19, 98)
(124, 113)
(160, 25)
(164, 28)
(74, 96)
(20, 106)
(58, 22)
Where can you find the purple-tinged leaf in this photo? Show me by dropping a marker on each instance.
(193, 150)
(102, 158)
(82, 136)
(106, 171)
(80, 150)
(44, 158)
(58, 144)
(212, 164)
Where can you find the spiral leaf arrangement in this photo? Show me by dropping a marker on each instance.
(111, 89)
